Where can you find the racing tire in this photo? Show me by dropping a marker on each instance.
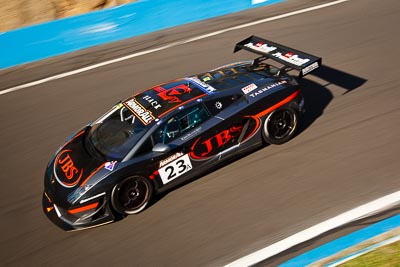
(280, 125)
(131, 195)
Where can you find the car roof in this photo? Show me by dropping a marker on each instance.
(236, 75)
(157, 101)
(161, 99)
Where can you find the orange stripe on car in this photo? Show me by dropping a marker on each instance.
(84, 208)
(93, 173)
(278, 105)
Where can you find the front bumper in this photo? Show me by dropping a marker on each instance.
(87, 216)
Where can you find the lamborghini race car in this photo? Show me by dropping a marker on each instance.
(174, 132)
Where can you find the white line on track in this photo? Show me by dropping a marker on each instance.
(190, 40)
(318, 229)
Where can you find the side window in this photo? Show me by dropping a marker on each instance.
(180, 124)
(217, 105)
(146, 147)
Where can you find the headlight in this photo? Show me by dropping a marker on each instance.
(91, 198)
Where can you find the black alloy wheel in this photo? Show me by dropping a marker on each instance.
(280, 125)
(131, 195)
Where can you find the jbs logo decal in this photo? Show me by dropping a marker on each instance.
(65, 170)
(175, 169)
(68, 167)
(173, 94)
(203, 149)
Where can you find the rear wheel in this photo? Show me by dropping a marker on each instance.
(131, 195)
(280, 125)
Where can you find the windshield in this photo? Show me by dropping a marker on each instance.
(115, 134)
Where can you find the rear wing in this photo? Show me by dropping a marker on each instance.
(289, 57)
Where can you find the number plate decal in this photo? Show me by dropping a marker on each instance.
(175, 169)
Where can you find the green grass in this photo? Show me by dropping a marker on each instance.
(386, 256)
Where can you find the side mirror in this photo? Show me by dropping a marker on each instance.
(161, 148)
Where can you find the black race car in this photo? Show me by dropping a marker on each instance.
(172, 132)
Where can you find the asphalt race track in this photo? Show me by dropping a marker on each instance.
(347, 153)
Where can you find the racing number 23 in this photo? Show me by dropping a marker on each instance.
(175, 169)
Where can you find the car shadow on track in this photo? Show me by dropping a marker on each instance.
(316, 97)
(347, 81)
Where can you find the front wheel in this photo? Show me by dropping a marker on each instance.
(280, 125)
(131, 195)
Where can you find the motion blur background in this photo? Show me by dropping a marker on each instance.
(19, 13)
(346, 155)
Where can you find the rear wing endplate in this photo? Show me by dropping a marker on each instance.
(292, 58)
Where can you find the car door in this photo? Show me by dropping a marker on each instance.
(233, 125)
(174, 141)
